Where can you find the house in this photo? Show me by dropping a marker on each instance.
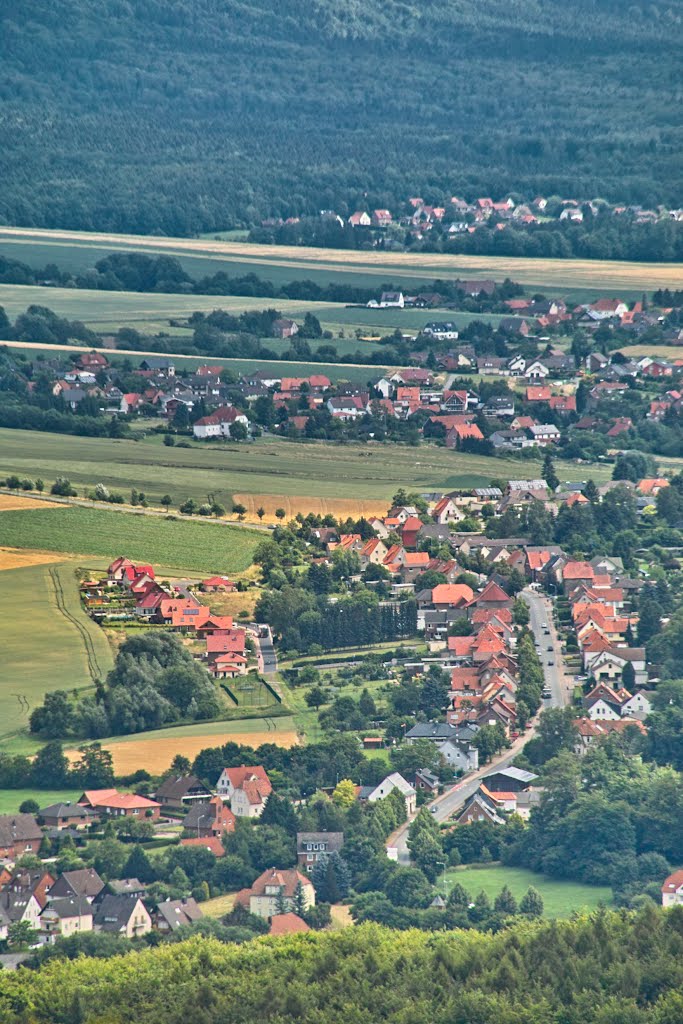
(159, 365)
(392, 300)
(212, 819)
(481, 806)
(182, 791)
(460, 755)
(441, 330)
(64, 815)
(360, 219)
(381, 218)
(123, 915)
(19, 834)
(65, 917)
(451, 595)
(111, 802)
(123, 887)
(287, 924)
(545, 433)
(446, 511)
(284, 328)
(25, 882)
(217, 585)
(173, 914)
(16, 907)
(387, 786)
(314, 846)
(246, 789)
(672, 890)
(82, 883)
(509, 779)
(276, 891)
(210, 843)
(426, 781)
(219, 423)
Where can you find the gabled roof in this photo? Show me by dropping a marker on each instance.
(287, 924)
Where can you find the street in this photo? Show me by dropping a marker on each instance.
(267, 659)
(444, 806)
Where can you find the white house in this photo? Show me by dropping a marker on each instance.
(536, 371)
(672, 890)
(638, 706)
(219, 423)
(387, 786)
(600, 709)
(391, 300)
(246, 789)
(460, 756)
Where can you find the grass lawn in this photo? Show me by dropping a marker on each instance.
(219, 905)
(270, 467)
(46, 639)
(11, 799)
(178, 545)
(560, 898)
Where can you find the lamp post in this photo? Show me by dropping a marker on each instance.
(442, 864)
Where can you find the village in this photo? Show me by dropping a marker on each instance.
(504, 631)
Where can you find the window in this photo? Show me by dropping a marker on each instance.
(310, 857)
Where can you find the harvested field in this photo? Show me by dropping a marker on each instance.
(15, 558)
(339, 507)
(232, 604)
(11, 502)
(300, 261)
(154, 751)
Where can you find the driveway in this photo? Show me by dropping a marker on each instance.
(267, 659)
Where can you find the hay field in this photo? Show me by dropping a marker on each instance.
(10, 502)
(338, 507)
(15, 558)
(154, 751)
(592, 275)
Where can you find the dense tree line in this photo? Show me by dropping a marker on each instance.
(155, 681)
(600, 969)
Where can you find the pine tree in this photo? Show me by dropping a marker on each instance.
(299, 906)
(549, 474)
(139, 866)
(505, 902)
(531, 903)
(458, 897)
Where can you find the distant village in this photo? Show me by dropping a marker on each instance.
(418, 218)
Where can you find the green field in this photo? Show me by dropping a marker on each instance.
(46, 639)
(80, 250)
(105, 312)
(270, 466)
(560, 898)
(185, 546)
(10, 799)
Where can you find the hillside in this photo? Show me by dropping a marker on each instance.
(606, 969)
(181, 118)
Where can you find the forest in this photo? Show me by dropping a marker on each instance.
(243, 111)
(608, 968)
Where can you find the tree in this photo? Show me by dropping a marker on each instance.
(531, 903)
(408, 887)
(344, 794)
(549, 474)
(505, 902)
(29, 807)
(238, 431)
(20, 934)
(54, 717)
(95, 769)
(628, 677)
(166, 500)
(239, 509)
(139, 866)
(169, 440)
(458, 897)
(650, 619)
(481, 909)
(51, 763)
(180, 765)
(280, 513)
(315, 698)
(556, 732)
(260, 511)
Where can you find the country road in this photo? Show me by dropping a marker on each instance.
(444, 806)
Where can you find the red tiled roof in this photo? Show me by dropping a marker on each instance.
(287, 924)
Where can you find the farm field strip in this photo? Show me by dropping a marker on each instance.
(184, 546)
(270, 466)
(591, 274)
(154, 751)
(47, 640)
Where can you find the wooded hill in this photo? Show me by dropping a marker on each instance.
(606, 969)
(151, 116)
